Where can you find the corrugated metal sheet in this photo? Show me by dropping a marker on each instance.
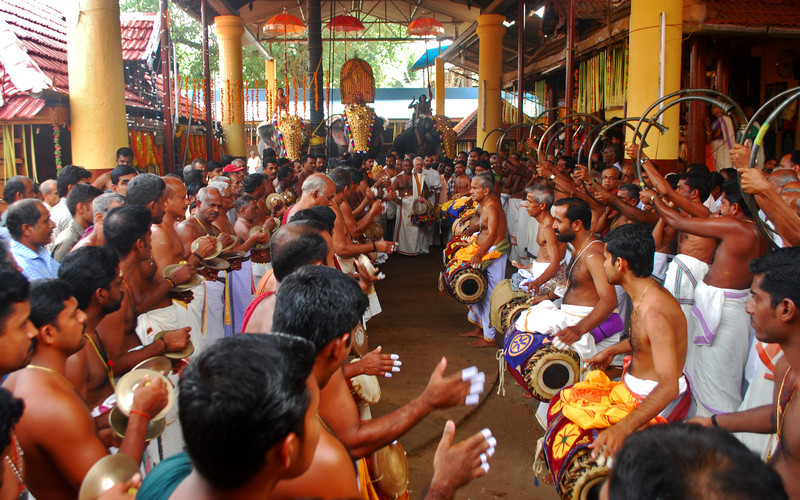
(21, 107)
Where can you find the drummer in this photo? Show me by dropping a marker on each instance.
(56, 433)
(460, 181)
(657, 342)
(489, 244)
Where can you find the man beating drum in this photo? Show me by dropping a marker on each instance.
(653, 372)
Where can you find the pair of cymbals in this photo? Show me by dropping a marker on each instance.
(128, 383)
(217, 250)
(185, 353)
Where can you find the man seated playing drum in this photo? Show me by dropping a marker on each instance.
(657, 340)
(589, 299)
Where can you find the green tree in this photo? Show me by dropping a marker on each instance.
(390, 61)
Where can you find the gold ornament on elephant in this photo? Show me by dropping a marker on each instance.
(291, 129)
(359, 119)
(357, 82)
(448, 135)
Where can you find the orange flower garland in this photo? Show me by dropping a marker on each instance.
(305, 101)
(316, 92)
(294, 86)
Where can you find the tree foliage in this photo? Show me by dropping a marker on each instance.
(390, 60)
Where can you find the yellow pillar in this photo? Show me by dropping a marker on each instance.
(439, 65)
(270, 76)
(96, 83)
(229, 33)
(490, 70)
(644, 65)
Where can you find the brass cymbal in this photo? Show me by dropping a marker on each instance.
(105, 473)
(233, 243)
(196, 279)
(176, 355)
(119, 424)
(217, 250)
(364, 261)
(217, 263)
(274, 201)
(229, 256)
(131, 380)
(161, 364)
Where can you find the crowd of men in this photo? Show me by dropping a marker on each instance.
(102, 273)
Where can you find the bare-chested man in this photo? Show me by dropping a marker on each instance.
(773, 309)
(344, 241)
(492, 246)
(102, 286)
(309, 167)
(589, 299)
(317, 190)
(461, 181)
(719, 339)
(538, 202)
(56, 431)
(657, 340)
(694, 252)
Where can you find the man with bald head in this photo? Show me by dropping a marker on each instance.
(317, 190)
(49, 190)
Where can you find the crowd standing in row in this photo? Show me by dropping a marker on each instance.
(101, 275)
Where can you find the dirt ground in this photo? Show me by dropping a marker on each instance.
(421, 326)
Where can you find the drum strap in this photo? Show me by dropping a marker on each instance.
(501, 367)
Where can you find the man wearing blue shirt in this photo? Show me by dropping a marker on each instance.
(31, 229)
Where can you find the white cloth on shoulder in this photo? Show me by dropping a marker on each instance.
(718, 348)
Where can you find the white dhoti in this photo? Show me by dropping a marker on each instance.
(643, 387)
(683, 274)
(660, 262)
(215, 311)
(718, 348)
(480, 311)
(192, 315)
(153, 322)
(259, 270)
(759, 393)
(374, 306)
(410, 238)
(513, 209)
(241, 289)
(148, 325)
(547, 319)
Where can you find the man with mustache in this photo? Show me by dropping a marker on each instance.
(59, 456)
(31, 229)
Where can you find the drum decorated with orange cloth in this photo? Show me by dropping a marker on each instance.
(575, 473)
(455, 244)
(537, 365)
(388, 471)
(465, 283)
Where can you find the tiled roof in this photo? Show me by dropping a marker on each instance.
(753, 13)
(33, 34)
(140, 34)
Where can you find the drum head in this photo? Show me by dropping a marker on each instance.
(469, 285)
(549, 370)
(366, 387)
(420, 206)
(583, 478)
(388, 471)
(360, 343)
(511, 311)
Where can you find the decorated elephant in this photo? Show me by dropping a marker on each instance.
(285, 134)
(348, 132)
(429, 136)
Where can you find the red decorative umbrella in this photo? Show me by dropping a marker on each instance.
(425, 26)
(345, 24)
(284, 24)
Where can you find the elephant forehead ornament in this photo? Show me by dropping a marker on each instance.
(358, 120)
(290, 129)
(357, 82)
(448, 135)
